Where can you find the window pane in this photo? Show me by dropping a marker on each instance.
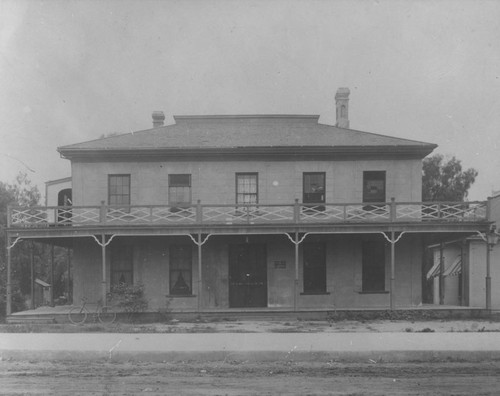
(119, 189)
(180, 269)
(179, 180)
(246, 188)
(374, 186)
(122, 265)
(179, 189)
(314, 182)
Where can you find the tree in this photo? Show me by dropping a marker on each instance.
(444, 180)
(22, 193)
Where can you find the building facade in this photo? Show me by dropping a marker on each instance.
(250, 212)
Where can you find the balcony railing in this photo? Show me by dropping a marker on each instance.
(201, 214)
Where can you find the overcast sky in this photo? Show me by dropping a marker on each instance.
(71, 71)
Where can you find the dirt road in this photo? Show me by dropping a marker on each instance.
(249, 378)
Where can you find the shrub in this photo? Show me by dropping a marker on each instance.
(129, 298)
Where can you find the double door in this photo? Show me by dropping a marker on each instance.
(247, 275)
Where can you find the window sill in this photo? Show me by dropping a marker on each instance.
(374, 292)
(314, 294)
(180, 295)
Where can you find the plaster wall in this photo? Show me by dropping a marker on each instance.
(214, 181)
(477, 275)
(343, 266)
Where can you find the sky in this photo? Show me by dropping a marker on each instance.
(71, 71)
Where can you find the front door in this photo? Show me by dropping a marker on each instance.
(247, 275)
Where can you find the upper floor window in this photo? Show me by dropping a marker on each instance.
(119, 189)
(247, 191)
(179, 189)
(374, 186)
(314, 187)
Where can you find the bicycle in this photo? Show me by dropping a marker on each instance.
(78, 315)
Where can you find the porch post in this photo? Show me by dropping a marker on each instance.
(51, 274)
(296, 282)
(68, 280)
(8, 307)
(199, 244)
(392, 283)
(441, 274)
(488, 277)
(103, 283)
(32, 274)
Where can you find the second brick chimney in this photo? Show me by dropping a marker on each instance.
(158, 119)
(342, 103)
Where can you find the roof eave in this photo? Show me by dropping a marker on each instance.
(173, 152)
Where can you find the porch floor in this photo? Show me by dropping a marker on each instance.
(59, 314)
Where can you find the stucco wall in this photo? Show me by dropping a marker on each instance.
(214, 182)
(477, 281)
(343, 262)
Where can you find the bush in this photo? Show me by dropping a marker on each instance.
(164, 313)
(18, 302)
(129, 298)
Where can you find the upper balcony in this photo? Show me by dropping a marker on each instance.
(207, 215)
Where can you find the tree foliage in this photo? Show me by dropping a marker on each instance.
(23, 193)
(445, 180)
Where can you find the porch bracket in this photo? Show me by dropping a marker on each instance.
(104, 243)
(297, 241)
(18, 239)
(199, 242)
(392, 240)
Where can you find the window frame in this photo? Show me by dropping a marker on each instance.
(170, 186)
(171, 269)
(110, 194)
(304, 175)
(321, 286)
(366, 199)
(127, 252)
(237, 193)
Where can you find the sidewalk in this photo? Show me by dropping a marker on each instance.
(251, 346)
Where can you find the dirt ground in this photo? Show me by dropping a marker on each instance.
(249, 378)
(228, 377)
(262, 326)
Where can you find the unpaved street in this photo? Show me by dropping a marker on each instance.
(249, 378)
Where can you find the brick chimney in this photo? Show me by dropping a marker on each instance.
(342, 101)
(158, 119)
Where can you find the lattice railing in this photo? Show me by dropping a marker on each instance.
(296, 213)
(441, 211)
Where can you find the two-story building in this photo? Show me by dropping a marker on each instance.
(234, 212)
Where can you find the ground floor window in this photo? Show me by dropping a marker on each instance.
(122, 265)
(314, 268)
(373, 278)
(180, 270)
